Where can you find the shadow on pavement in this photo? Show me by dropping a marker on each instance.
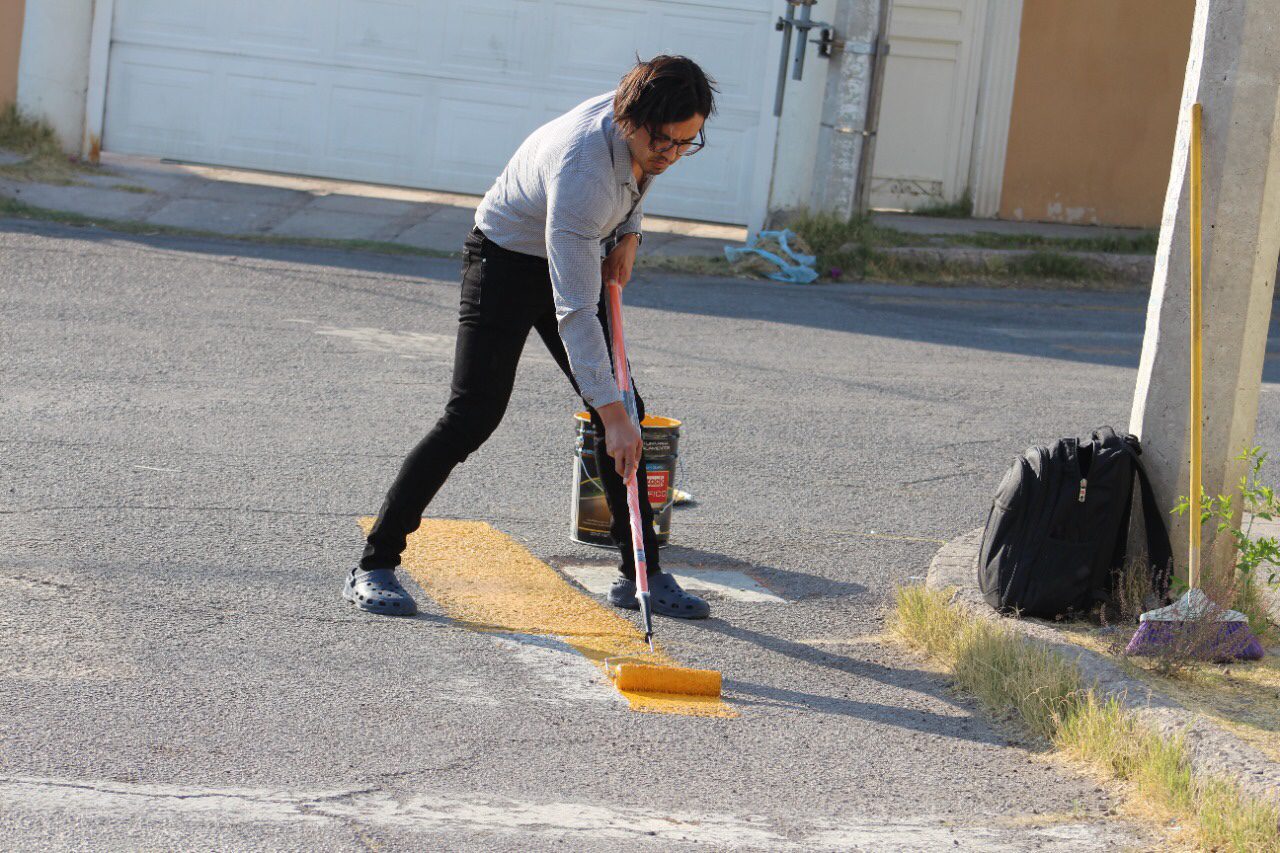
(912, 719)
(900, 679)
(1092, 327)
(793, 586)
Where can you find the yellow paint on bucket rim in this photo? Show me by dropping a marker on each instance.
(649, 420)
(489, 582)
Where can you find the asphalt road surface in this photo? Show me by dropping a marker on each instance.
(192, 431)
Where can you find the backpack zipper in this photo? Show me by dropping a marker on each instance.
(1084, 485)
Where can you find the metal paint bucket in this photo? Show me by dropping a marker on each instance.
(591, 517)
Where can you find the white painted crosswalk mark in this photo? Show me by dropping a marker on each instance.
(724, 583)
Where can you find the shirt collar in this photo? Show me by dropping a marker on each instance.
(621, 155)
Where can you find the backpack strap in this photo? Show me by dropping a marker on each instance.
(1159, 549)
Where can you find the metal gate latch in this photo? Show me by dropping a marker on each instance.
(801, 23)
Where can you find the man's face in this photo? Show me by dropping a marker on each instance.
(645, 146)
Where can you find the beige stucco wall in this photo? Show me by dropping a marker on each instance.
(10, 42)
(1094, 109)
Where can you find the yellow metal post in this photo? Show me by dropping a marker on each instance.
(1197, 406)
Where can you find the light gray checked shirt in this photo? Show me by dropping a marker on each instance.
(568, 188)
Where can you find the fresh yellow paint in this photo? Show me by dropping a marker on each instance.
(489, 582)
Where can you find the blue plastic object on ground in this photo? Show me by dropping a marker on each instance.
(795, 267)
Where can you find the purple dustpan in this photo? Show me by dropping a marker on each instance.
(1207, 631)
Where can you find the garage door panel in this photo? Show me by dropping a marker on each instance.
(938, 21)
(159, 20)
(159, 102)
(592, 44)
(728, 49)
(422, 92)
(483, 128)
(384, 33)
(489, 39)
(269, 120)
(291, 26)
(766, 7)
(373, 132)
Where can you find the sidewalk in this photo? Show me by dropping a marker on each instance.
(266, 204)
(237, 201)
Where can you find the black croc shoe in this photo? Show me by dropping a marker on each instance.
(623, 594)
(667, 597)
(670, 600)
(379, 591)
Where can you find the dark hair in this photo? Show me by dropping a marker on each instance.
(664, 90)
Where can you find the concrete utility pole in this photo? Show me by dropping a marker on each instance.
(846, 141)
(1234, 71)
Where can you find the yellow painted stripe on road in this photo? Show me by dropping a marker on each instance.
(489, 582)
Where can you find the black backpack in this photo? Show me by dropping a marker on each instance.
(1059, 525)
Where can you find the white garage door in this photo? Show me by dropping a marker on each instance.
(427, 93)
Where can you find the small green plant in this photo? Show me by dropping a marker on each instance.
(26, 136)
(1254, 554)
(857, 248)
(1042, 264)
(961, 208)
(1143, 243)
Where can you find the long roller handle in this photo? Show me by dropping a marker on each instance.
(622, 374)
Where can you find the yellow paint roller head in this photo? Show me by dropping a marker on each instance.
(646, 678)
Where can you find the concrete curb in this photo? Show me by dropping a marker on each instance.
(1132, 268)
(1213, 749)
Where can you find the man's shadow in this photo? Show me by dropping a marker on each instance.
(793, 586)
(967, 726)
(798, 586)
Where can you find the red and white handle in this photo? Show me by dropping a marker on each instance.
(622, 373)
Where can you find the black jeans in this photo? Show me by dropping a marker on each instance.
(504, 295)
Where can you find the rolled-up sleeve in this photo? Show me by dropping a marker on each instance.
(578, 209)
(632, 223)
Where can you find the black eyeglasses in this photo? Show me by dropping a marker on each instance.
(660, 143)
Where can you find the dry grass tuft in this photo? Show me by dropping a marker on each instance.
(34, 140)
(1005, 671)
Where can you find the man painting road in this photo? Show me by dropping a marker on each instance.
(533, 262)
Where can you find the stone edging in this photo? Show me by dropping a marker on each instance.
(1212, 749)
(1127, 267)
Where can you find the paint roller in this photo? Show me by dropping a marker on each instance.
(647, 678)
